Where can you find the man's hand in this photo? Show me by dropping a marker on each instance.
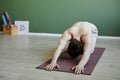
(51, 66)
(78, 69)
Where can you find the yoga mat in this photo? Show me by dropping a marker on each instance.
(66, 62)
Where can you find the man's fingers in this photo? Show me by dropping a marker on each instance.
(73, 68)
(57, 66)
(51, 66)
(46, 67)
(82, 70)
(78, 70)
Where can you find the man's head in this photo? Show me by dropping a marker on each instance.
(75, 48)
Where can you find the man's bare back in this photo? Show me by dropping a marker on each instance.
(82, 31)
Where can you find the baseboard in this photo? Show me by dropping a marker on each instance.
(59, 35)
(45, 34)
(108, 37)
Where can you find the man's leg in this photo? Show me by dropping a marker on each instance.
(95, 35)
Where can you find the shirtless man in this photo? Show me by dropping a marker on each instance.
(84, 32)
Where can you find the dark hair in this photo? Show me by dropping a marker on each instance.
(75, 48)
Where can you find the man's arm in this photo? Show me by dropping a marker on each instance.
(86, 54)
(61, 45)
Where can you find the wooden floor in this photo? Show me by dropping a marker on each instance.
(19, 55)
